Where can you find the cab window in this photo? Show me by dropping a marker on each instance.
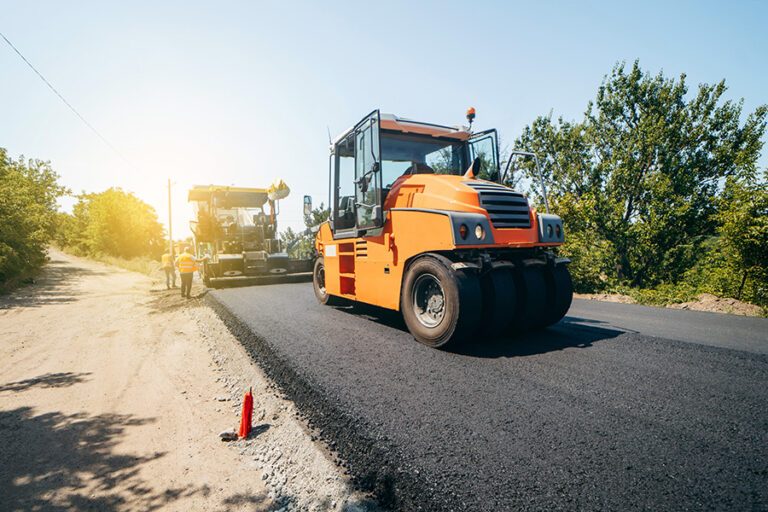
(485, 147)
(345, 209)
(417, 154)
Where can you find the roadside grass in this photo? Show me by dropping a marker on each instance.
(142, 265)
(666, 295)
(662, 295)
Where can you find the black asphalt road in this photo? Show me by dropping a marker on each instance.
(618, 407)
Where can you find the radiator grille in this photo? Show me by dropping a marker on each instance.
(505, 207)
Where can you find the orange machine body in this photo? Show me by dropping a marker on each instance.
(418, 213)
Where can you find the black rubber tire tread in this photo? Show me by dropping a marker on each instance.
(531, 298)
(463, 302)
(559, 294)
(324, 298)
(499, 301)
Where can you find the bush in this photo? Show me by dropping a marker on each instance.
(28, 194)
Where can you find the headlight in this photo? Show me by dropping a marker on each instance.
(479, 232)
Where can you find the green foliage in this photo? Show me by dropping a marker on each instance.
(317, 216)
(113, 223)
(638, 180)
(302, 244)
(591, 266)
(297, 244)
(743, 220)
(28, 194)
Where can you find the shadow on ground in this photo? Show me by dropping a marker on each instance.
(48, 380)
(56, 461)
(55, 285)
(165, 301)
(571, 332)
(557, 337)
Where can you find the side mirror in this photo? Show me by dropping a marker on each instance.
(307, 205)
(362, 184)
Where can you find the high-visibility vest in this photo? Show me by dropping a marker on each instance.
(167, 263)
(186, 262)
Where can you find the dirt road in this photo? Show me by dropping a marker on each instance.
(105, 400)
(112, 396)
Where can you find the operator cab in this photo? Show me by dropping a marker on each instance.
(368, 158)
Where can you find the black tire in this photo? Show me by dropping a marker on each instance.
(451, 314)
(206, 275)
(531, 298)
(499, 301)
(559, 294)
(318, 283)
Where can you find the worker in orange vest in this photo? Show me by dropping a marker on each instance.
(170, 273)
(187, 265)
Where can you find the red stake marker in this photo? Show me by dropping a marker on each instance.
(245, 418)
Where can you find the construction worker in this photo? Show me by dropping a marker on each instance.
(187, 265)
(170, 273)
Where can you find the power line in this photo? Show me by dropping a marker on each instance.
(89, 125)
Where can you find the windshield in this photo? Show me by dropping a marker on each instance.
(243, 217)
(416, 154)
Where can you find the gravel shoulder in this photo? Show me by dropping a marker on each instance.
(112, 395)
(703, 302)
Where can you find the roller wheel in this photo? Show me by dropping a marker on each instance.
(318, 281)
(440, 306)
(531, 298)
(559, 294)
(499, 301)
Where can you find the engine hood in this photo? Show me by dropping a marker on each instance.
(434, 192)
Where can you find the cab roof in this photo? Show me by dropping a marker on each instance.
(233, 196)
(404, 125)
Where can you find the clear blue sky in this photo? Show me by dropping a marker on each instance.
(243, 92)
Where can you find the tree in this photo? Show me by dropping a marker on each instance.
(744, 232)
(115, 223)
(301, 244)
(639, 177)
(28, 194)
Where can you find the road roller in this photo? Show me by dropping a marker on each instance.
(422, 221)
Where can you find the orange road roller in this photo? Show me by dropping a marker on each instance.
(422, 222)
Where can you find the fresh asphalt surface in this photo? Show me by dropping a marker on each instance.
(617, 407)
